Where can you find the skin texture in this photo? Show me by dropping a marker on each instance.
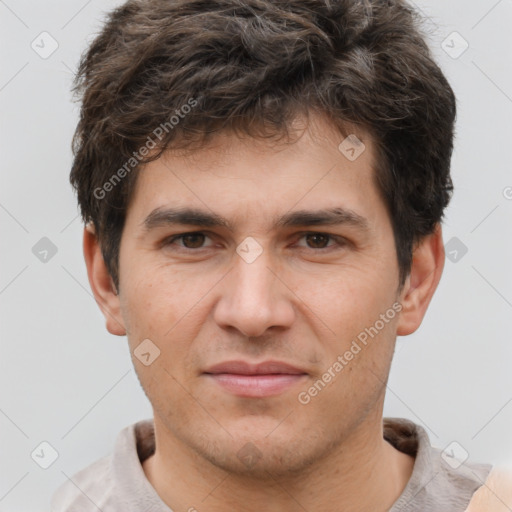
(496, 494)
(298, 302)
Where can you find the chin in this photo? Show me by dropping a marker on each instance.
(263, 454)
(258, 462)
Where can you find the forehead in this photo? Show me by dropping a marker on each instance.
(244, 177)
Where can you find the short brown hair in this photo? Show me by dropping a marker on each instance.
(252, 66)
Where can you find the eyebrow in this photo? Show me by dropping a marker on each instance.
(161, 217)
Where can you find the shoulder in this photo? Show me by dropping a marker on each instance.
(496, 493)
(85, 489)
(109, 484)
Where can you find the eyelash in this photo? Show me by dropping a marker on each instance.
(338, 241)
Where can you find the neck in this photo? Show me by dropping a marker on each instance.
(364, 473)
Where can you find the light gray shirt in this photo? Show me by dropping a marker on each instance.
(117, 482)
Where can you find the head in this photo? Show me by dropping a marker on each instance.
(248, 110)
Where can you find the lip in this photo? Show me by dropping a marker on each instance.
(264, 368)
(260, 380)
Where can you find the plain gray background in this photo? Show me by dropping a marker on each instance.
(66, 381)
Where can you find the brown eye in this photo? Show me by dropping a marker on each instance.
(318, 240)
(193, 240)
(187, 241)
(321, 242)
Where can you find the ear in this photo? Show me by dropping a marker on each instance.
(426, 270)
(101, 282)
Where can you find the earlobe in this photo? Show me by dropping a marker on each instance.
(101, 283)
(426, 270)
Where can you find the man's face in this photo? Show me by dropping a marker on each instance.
(291, 295)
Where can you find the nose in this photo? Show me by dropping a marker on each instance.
(255, 297)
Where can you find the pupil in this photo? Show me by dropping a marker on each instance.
(196, 236)
(322, 237)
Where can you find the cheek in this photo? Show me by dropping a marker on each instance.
(163, 305)
(156, 297)
(360, 351)
(347, 299)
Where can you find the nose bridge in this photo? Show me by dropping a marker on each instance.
(253, 299)
(252, 280)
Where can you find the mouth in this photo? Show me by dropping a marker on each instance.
(261, 380)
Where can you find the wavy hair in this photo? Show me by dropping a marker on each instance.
(252, 67)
